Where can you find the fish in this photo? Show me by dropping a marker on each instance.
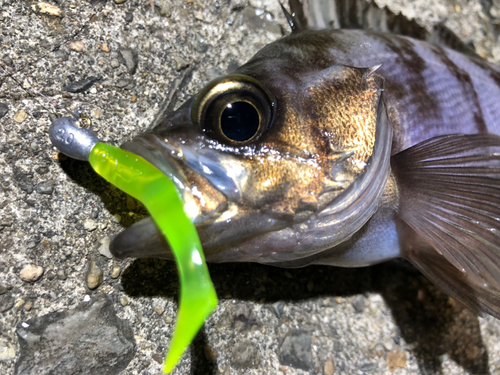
(345, 147)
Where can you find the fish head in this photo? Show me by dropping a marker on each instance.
(260, 153)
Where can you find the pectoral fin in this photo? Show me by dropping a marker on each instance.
(450, 197)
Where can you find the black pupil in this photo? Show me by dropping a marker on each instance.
(239, 121)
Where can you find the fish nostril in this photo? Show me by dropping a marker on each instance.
(177, 153)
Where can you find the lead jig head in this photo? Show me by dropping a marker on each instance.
(71, 138)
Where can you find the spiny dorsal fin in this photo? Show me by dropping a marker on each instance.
(444, 37)
(367, 15)
(450, 197)
(353, 14)
(296, 18)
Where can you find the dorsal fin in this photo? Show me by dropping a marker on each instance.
(443, 36)
(353, 14)
(367, 15)
(295, 17)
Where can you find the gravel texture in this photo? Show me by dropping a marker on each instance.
(124, 58)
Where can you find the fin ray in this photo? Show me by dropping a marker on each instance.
(367, 15)
(475, 296)
(450, 197)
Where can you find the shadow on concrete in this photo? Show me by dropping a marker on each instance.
(426, 317)
(113, 198)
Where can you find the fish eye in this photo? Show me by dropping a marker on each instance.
(234, 109)
(240, 121)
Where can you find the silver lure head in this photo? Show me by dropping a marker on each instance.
(73, 140)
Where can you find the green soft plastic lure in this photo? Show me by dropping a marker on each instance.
(143, 181)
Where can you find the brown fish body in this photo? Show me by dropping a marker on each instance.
(316, 183)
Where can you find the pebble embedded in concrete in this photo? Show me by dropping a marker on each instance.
(31, 273)
(115, 272)
(388, 344)
(45, 187)
(6, 302)
(64, 342)
(131, 203)
(129, 58)
(159, 307)
(61, 275)
(329, 367)
(104, 248)
(359, 304)
(296, 350)
(7, 350)
(48, 9)
(95, 276)
(129, 17)
(20, 116)
(77, 46)
(210, 353)
(4, 109)
(396, 359)
(114, 63)
(245, 355)
(180, 63)
(90, 225)
(126, 83)
(81, 85)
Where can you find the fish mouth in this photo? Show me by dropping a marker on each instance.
(205, 188)
(204, 198)
(209, 185)
(144, 146)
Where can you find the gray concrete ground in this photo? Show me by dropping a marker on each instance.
(56, 213)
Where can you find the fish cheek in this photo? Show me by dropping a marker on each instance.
(286, 186)
(326, 146)
(346, 113)
(319, 144)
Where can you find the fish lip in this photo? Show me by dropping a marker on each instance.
(144, 146)
(174, 161)
(202, 161)
(207, 164)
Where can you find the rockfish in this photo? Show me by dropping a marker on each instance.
(345, 148)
